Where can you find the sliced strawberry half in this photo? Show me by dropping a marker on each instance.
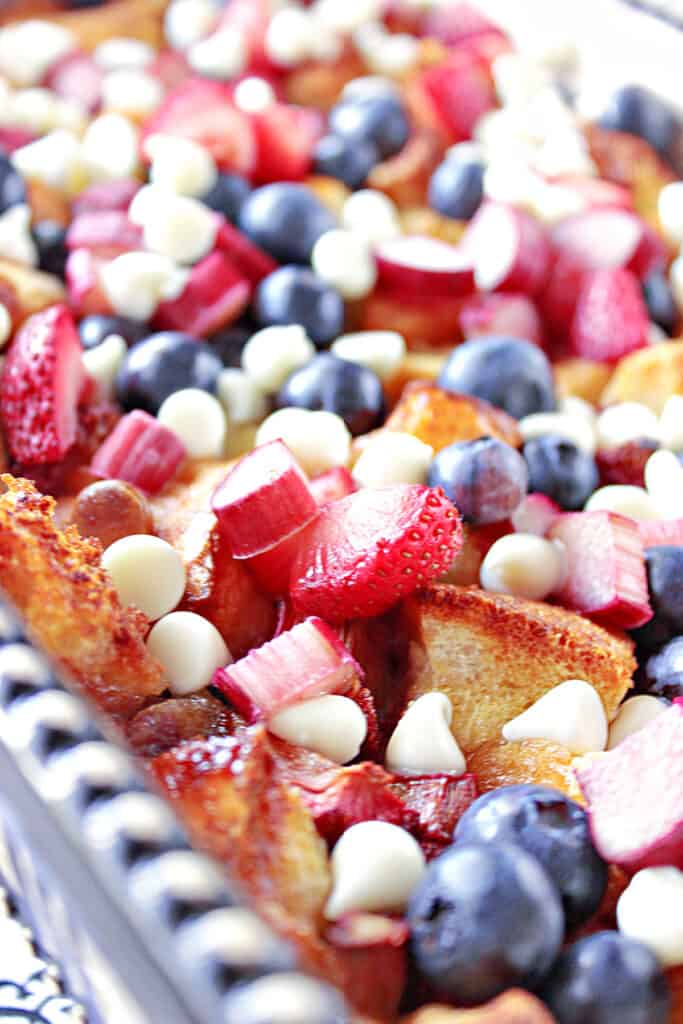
(106, 233)
(286, 136)
(509, 249)
(203, 111)
(424, 266)
(459, 91)
(502, 313)
(141, 451)
(78, 77)
(307, 661)
(610, 318)
(215, 295)
(364, 552)
(654, 532)
(606, 577)
(106, 195)
(602, 238)
(41, 383)
(331, 485)
(252, 262)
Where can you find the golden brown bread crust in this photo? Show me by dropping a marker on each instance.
(494, 655)
(120, 18)
(55, 581)
(582, 378)
(440, 418)
(650, 376)
(541, 762)
(513, 1007)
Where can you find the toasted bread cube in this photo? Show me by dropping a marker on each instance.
(649, 376)
(416, 366)
(581, 378)
(541, 762)
(440, 418)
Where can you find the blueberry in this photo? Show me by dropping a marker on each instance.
(638, 111)
(336, 385)
(486, 479)
(286, 220)
(661, 305)
(562, 470)
(348, 160)
(665, 580)
(295, 295)
(12, 187)
(607, 978)
(227, 196)
(483, 918)
(50, 239)
(161, 364)
(551, 827)
(380, 119)
(94, 329)
(664, 671)
(457, 187)
(229, 342)
(511, 374)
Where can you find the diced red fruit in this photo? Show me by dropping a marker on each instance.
(14, 138)
(509, 249)
(605, 238)
(558, 298)
(635, 795)
(452, 23)
(502, 313)
(424, 323)
(78, 77)
(437, 803)
(655, 532)
(41, 383)
(596, 192)
(215, 295)
(106, 233)
(366, 551)
(86, 295)
(610, 319)
(606, 577)
(273, 568)
(252, 262)
(286, 137)
(536, 514)
(307, 661)
(106, 196)
(331, 485)
(169, 67)
(486, 46)
(141, 451)
(625, 464)
(359, 793)
(202, 110)
(458, 91)
(263, 500)
(423, 267)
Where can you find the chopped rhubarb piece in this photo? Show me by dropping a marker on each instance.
(635, 795)
(215, 295)
(252, 262)
(285, 140)
(106, 233)
(595, 192)
(366, 551)
(272, 569)
(606, 577)
(654, 532)
(106, 195)
(509, 249)
(307, 661)
(610, 319)
(141, 451)
(625, 464)
(536, 514)
(452, 23)
(502, 313)
(12, 138)
(423, 266)
(86, 295)
(169, 67)
(605, 238)
(438, 802)
(459, 90)
(333, 484)
(77, 76)
(41, 383)
(263, 500)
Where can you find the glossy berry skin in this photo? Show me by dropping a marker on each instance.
(229, 343)
(665, 580)
(551, 827)
(511, 374)
(638, 111)
(456, 188)
(227, 196)
(485, 479)
(348, 160)
(12, 187)
(561, 470)
(607, 978)
(50, 239)
(485, 917)
(295, 295)
(94, 329)
(336, 385)
(381, 120)
(286, 220)
(664, 671)
(162, 364)
(660, 302)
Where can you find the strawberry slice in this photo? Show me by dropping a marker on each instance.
(655, 532)
(606, 577)
(253, 262)
(141, 451)
(263, 500)
(105, 195)
(307, 661)
(106, 233)
(215, 295)
(610, 319)
(535, 514)
(332, 484)
(459, 91)
(77, 77)
(509, 249)
(502, 313)
(602, 238)
(42, 380)
(365, 552)
(202, 110)
(285, 139)
(424, 267)
(437, 803)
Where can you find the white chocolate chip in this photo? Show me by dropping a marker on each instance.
(575, 406)
(571, 714)
(273, 353)
(5, 325)
(332, 726)
(576, 429)
(181, 165)
(222, 55)
(375, 867)
(422, 742)
(670, 209)
(253, 94)
(633, 714)
(103, 362)
(650, 910)
(627, 421)
(188, 21)
(372, 215)
(135, 283)
(242, 400)
(392, 457)
(381, 351)
(182, 229)
(664, 483)
(120, 52)
(147, 202)
(289, 37)
(671, 424)
(347, 15)
(55, 159)
(190, 648)
(524, 565)
(318, 440)
(28, 48)
(16, 241)
(131, 91)
(344, 260)
(624, 499)
(198, 419)
(146, 572)
(110, 148)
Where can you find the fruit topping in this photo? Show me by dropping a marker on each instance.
(215, 295)
(508, 248)
(502, 314)
(485, 479)
(141, 451)
(106, 196)
(456, 93)
(331, 485)
(285, 141)
(610, 239)
(424, 267)
(535, 514)
(610, 318)
(106, 233)
(560, 470)
(351, 391)
(250, 260)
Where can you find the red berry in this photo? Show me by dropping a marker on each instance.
(655, 532)
(454, 22)
(460, 90)
(610, 319)
(508, 248)
(141, 451)
(15, 138)
(285, 139)
(86, 295)
(215, 295)
(625, 464)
